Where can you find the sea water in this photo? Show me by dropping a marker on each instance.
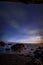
(24, 51)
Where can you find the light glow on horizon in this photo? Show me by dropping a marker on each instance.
(31, 39)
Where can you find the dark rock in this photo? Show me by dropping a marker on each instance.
(7, 49)
(2, 43)
(32, 49)
(17, 47)
(21, 55)
(9, 44)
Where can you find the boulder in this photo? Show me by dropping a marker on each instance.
(2, 43)
(17, 47)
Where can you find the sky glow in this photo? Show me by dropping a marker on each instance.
(21, 23)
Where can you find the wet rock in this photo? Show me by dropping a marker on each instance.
(9, 44)
(2, 43)
(7, 49)
(17, 47)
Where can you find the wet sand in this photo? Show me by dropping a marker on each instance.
(14, 59)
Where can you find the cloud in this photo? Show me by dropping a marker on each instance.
(31, 32)
(34, 39)
(13, 13)
(14, 24)
(24, 18)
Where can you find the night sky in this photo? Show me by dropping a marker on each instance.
(21, 22)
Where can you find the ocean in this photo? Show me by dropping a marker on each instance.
(28, 48)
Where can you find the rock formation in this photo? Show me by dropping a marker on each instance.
(17, 47)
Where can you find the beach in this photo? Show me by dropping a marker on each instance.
(14, 59)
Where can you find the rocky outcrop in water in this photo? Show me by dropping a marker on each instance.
(37, 59)
(17, 47)
(2, 43)
(7, 49)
